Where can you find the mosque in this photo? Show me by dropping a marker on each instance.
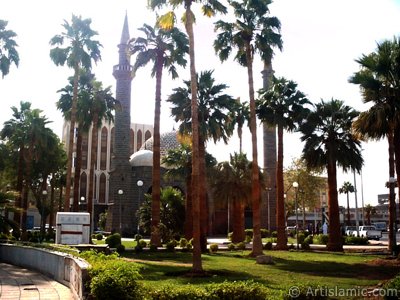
(123, 170)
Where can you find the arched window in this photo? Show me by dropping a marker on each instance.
(132, 146)
(112, 144)
(84, 150)
(147, 135)
(83, 186)
(103, 149)
(102, 190)
(139, 140)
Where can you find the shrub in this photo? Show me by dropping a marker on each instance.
(247, 239)
(138, 249)
(138, 237)
(153, 247)
(291, 247)
(274, 234)
(99, 236)
(305, 246)
(120, 248)
(265, 233)
(183, 243)
(309, 239)
(231, 247)
(214, 248)
(113, 240)
(392, 285)
(230, 234)
(320, 239)
(240, 246)
(300, 238)
(268, 246)
(171, 245)
(249, 232)
(355, 240)
(142, 243)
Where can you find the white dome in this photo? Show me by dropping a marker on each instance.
(142, 158)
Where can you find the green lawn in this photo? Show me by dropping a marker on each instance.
(291, 268)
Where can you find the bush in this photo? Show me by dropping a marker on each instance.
(113, 240)
(153, 247)
(183, 243)
(268, 246)
(230, 234)
(142, 243)
(247, 239)
(355, 240)
(214, 248)
(274, 234)
(265, 233)
(240, 246)
(138, 249)
(120, 248)
(249, 233)
(320, 239)
(231, 247)
(99, 236)
(305, 246)
(309, 240)
(393, 284)
(171, 245)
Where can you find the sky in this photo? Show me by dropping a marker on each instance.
(321, 40)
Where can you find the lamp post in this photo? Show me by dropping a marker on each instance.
(296, 186)
(82, 200)
(42, 219)
(355, 198)
(392, 214)
(139, 183)
(120, 193)
(268, 189)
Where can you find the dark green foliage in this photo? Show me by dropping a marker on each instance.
(214, 248)
(171, 245)
(240, 246)
(153, 247)
(120, 248)
(231, 247)
(274, 234)
(391, 286)
(320, 239)
(305, 246)
(113, 240)
(225, 291)
(268, 246)
(265, 233)
(355, 240)
(99, 236)
(309, 239)
(142, 243)
(183, 243)
(301, 237)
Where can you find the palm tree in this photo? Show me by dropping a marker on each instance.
(8, 51)
(250, 33)
(285, 107)
(347, 188)
(329, 143)
(369, 211)
(165, 48)
(379, 82)
(79, 52)
(209, 8)
(7, 206)
(213, 119)
(240, 115)
(232, 185)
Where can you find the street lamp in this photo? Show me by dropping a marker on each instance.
(355, 198)
(120, 193)
(42, 220)
(82, 200)
(296, 186)
(392, 213)
(268, 189)
(139, 183)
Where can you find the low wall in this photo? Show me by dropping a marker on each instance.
(64, 268)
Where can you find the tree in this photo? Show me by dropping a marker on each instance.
(379, 81)
(369, 211)
(347, 188)
(284, 107)
(329, 142)
(240, 115)
(214, 121)
(166, 49)
(79, 52)
(232, 185)
(8, 51)
(209, 8)
(253, 31)
(7, 206)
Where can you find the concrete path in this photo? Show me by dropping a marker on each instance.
(20, 283)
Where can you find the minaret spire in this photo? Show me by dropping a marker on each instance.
(125, 31)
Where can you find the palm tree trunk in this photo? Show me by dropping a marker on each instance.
(238, 234)
(20, 179)
(203, 195)
(188, 226)
(348, 209)
(78, 166)
(52, 196)
(255, 180)
(392, 201)
(93, 160)
(156, 189)
(335, 237)
(71, 138)
(197, 263)
(280, 215)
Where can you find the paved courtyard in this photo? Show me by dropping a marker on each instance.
(20, 283)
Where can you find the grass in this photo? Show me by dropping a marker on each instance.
(291, 268)
(127, 244)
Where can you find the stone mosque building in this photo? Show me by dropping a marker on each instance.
(123, 170)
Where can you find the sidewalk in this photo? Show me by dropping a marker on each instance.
(20, 283)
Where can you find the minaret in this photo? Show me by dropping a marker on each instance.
(270, 156)
(120, 175)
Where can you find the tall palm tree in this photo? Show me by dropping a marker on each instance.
(166, 49)
(347, 188)
(329, 142)
(240, 115)
(369, 211)
(13, 131)
(232, 185)
(250, 33)
(8, 51)
(209, 8)
(379, 80)
(284, 107)
(214, 121)
(80, 49)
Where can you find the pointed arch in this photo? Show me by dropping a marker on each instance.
(112, 143)
(103, 148)
(85, 144)
(147, 135)
(102, 188)
(83, 186)
(132, 145)
(139, 140)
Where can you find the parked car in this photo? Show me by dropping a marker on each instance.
(369, 232)
(349, 230)
(380, 226)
